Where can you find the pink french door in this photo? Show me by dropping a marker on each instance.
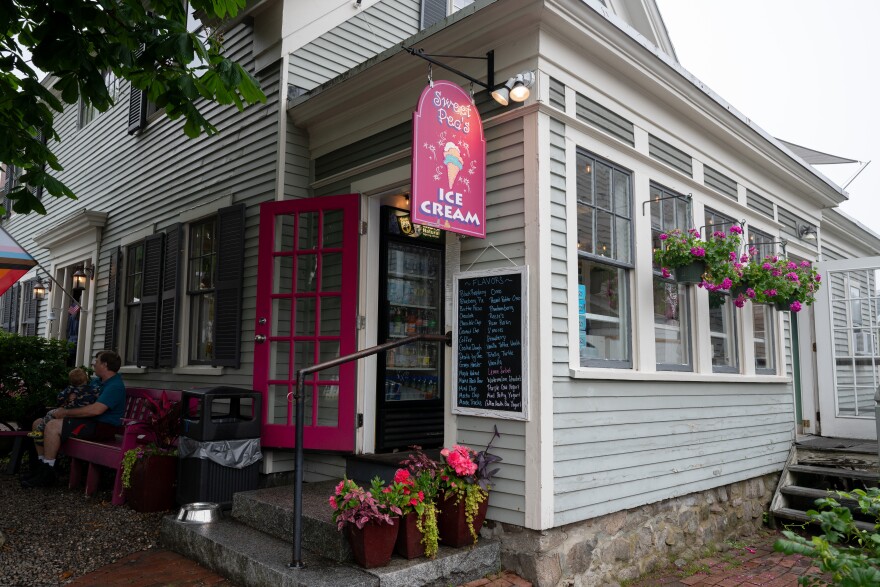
(307, 281)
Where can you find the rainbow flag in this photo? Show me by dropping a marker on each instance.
(14, 261)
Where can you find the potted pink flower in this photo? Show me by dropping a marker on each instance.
(695, 260)
(414, 494)
(777, 280)
(463, 495)
(369, 519)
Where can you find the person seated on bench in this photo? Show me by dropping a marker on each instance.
(97, 421)
(76, 395)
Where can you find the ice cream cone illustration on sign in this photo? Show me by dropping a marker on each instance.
(452, 158)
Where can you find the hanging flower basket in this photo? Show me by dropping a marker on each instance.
(690, 273)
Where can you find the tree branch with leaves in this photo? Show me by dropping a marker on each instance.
(76, 42)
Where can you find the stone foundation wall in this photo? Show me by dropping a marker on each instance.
(625, 545)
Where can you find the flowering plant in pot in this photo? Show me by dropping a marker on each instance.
(149, 471)
(369, 519)
(712, 258)
(464, 484)
(777, 280)
(415, 494)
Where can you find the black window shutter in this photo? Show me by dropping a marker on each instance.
(15, 307)
(150, 297)
(230, 271)
(6, 311)
(111, 323)
(137, 111)
(170, 287)
(7, 187)
(29, 318)
(433, 11)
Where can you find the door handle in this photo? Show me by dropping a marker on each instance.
(260, 338)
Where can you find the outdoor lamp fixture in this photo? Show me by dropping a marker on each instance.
(521, 84)
(515, 89)
(40, 291)
(79, 278)
(807, 232)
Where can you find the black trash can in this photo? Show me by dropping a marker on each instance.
(219, 444)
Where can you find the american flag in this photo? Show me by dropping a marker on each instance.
(73, 309)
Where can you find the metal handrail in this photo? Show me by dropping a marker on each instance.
(299, 397)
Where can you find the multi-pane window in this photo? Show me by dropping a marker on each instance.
(722, 315)
(763, 339)
(134, 284)
(671, 316)
(604, 241)
(201, 276)
(87, 112)
(763, 242)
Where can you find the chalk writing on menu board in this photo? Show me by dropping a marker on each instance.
(490, 344)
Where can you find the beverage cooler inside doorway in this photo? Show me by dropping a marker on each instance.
(410, 385)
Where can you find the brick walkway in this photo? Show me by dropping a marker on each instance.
(747, 563)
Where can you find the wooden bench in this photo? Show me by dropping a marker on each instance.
(108, 453)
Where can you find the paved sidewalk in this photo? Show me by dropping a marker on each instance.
(163, 568)
(750, 562)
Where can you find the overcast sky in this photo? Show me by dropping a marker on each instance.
(806, 71)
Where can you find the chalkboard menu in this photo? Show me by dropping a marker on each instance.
(490, 343)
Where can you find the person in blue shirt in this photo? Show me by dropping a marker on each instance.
(95, 421)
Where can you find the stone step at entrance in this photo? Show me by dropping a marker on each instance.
(819, 469)
(252, 546)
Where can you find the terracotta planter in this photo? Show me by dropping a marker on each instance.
(409, 539)
(373, 544)
(691, 273)
(153, 484)
(452, 524)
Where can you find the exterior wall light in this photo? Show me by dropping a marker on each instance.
(40, 291)
(807, 233)
(79, 279)
(522, 82)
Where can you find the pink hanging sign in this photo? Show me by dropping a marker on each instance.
(448, 162)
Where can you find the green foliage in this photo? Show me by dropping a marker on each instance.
(76, 42)
(353, 505)
(32, 372)
(135, 455)
(848, 553)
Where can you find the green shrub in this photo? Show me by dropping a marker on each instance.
(849, 554)
(32, 372)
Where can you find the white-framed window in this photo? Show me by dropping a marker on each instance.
(763, 242)
(672, 332)
(200, 289)
(763, 339)
(87, 112)
(604, 247)
(722, 314)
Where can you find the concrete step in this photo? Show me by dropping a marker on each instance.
(252, 546)
(271, 511)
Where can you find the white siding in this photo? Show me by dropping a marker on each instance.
(618, 444)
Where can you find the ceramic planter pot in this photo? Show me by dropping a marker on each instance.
(452, 524)
(691, 273)
(373, 544)
(153, 484)
(409, 539)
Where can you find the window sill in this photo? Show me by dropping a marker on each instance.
(629, 375)
(132, 369)
(198, 370)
